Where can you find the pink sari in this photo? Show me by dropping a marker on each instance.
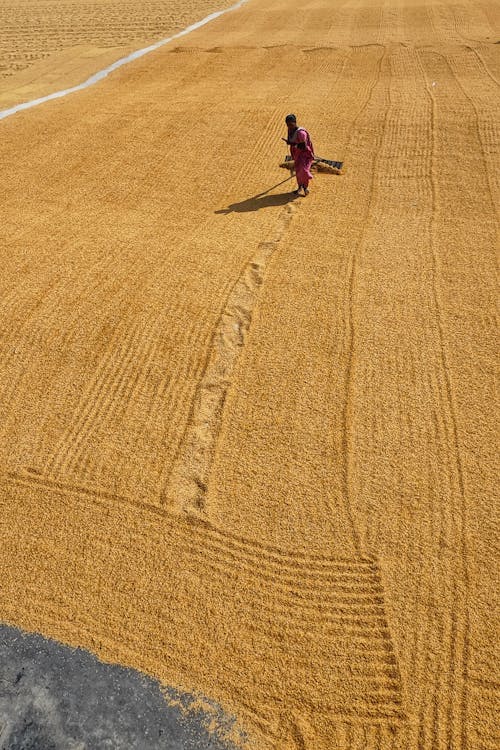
(303, 158)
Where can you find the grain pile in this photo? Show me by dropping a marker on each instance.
(248, 443)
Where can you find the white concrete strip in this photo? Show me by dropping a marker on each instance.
(118, 64)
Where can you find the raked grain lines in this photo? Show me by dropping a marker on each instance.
(34, 30)
(266, 599)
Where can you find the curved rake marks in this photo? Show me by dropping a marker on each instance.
(242, 602)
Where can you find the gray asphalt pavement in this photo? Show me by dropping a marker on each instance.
(53, 697)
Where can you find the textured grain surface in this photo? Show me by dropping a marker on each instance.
(31, 30)
(248, 443)
(45, 45)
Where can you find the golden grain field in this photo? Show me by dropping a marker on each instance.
(32, 30)
(45, 45)
(248, 443)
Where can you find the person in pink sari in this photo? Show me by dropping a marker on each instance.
(302, 152)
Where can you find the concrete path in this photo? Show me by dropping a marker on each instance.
(53, 697)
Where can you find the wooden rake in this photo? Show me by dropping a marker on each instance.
(329, 166)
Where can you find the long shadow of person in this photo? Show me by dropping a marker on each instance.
(261, 200)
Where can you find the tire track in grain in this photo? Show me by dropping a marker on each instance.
(406, 134)
(460, 624)
(350, 342)
(187, 484)
(484, 66)
(349, 125)
(452, 100)
(459, 636)
(405, 106)
(486, 123)
(432, 722)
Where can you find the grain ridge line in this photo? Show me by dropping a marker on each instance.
(201, 528)
(187, 485)
(460, 620)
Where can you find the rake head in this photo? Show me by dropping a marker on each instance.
(328, 166)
